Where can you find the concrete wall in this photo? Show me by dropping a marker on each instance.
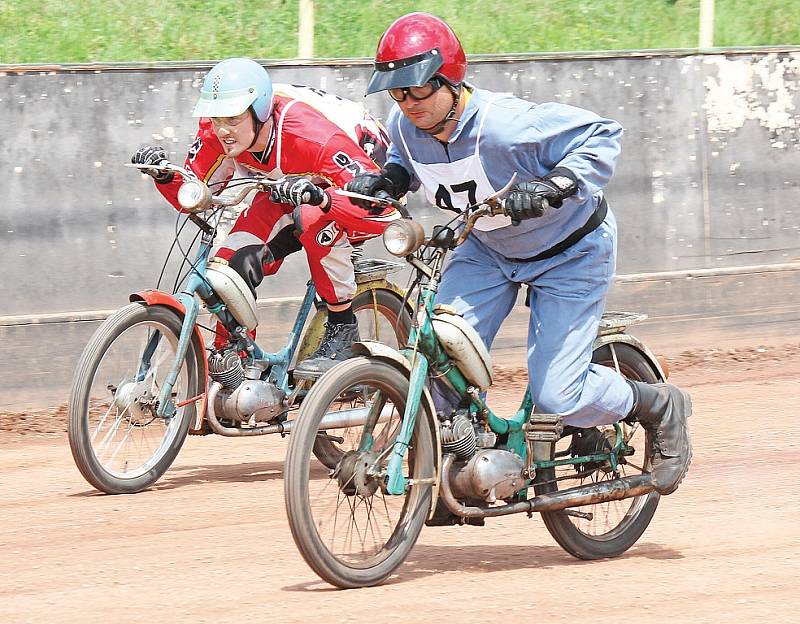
(707, 180)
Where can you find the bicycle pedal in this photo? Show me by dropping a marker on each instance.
(544, 428)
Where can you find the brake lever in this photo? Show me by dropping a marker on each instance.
(383, 199)
(186, 173)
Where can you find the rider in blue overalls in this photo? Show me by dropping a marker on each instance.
(462, 144)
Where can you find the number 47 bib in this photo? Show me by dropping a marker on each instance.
(458, 184)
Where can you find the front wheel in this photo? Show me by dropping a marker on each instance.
(347, 527)
(118, 441)
(604, 530)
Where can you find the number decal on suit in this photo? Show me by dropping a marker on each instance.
(345, 162)
(444, 198)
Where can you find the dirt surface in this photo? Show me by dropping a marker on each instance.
(210, 542)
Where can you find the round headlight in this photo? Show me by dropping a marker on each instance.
(194, 196)
(403, 237)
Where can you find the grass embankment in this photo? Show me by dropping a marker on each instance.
(74, 31)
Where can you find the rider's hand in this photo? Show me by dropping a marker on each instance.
(153, 155)
(370, 184)
(530, 200)
(296, 191)
(393, 180)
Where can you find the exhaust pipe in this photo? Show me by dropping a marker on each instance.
(336, 420)
(604, 492)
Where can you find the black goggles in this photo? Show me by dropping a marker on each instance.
(423, 92)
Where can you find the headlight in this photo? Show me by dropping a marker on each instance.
(194, 196)
(403, 237)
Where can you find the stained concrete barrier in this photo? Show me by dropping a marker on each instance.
(707, 182)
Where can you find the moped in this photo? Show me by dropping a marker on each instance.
(147, 377)
(407, 466)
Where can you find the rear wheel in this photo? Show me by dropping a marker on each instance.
(381, 317)
(607, 529)
(119, 442)
(348, 528)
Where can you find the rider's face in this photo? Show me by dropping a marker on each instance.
(430, 111)
(235, 133)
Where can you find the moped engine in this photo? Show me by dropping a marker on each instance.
(483, 473)
(490, 475)
(244, 395)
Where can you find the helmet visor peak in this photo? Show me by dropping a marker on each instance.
(225, 103)
(414, 71)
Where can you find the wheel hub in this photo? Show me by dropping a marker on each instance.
(135, 400)
(352, 476)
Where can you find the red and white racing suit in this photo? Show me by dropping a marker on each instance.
(318, 135)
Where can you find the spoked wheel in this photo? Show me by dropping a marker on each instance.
(118, 441)
(608, 529)
(381, 317)
(348, 528)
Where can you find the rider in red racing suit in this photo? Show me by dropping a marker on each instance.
(327, 140)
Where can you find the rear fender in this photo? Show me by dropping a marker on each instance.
(637, 344)
(158, 297)
(379, 351)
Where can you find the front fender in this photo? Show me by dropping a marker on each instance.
(158, 297)
(637, 344)
(380, 351)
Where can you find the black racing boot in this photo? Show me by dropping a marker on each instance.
(662, 409)
(336, 346)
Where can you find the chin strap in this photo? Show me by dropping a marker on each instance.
(257, 125)
(451, 116)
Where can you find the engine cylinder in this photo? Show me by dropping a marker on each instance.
(227, 369)
(458, 437)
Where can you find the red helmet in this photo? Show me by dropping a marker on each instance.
(415, 48)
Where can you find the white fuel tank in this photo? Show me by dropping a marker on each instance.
(462, 343)
(234, 292)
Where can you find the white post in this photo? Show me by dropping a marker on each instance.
(305, 35)
(706, 39)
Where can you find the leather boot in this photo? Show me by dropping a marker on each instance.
(663, 409)
(336, 346)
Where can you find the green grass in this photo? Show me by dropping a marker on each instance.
(71, 31)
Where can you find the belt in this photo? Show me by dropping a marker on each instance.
(598, 216)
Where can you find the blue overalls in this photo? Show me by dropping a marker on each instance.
(497, 136)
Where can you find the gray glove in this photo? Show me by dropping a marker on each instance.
(296, 191)
(153, 155)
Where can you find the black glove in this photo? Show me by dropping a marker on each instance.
(369, 184)
(393, 180)
(530, 200)
(296, 191)
(153, 155)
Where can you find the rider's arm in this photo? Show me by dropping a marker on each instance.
(338, 161)
(206, 159)
(571, 141)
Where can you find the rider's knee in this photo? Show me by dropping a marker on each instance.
(554, 399)
(249, 262)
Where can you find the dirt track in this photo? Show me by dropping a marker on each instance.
(210, 542)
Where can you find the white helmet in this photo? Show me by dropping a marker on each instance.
(234, 85)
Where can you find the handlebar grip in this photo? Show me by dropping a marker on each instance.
(384, 195)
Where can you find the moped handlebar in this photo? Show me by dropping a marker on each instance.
(195, 195)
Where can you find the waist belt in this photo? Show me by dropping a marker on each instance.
(598, 216)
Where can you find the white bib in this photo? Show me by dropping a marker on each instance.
(456, 185)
